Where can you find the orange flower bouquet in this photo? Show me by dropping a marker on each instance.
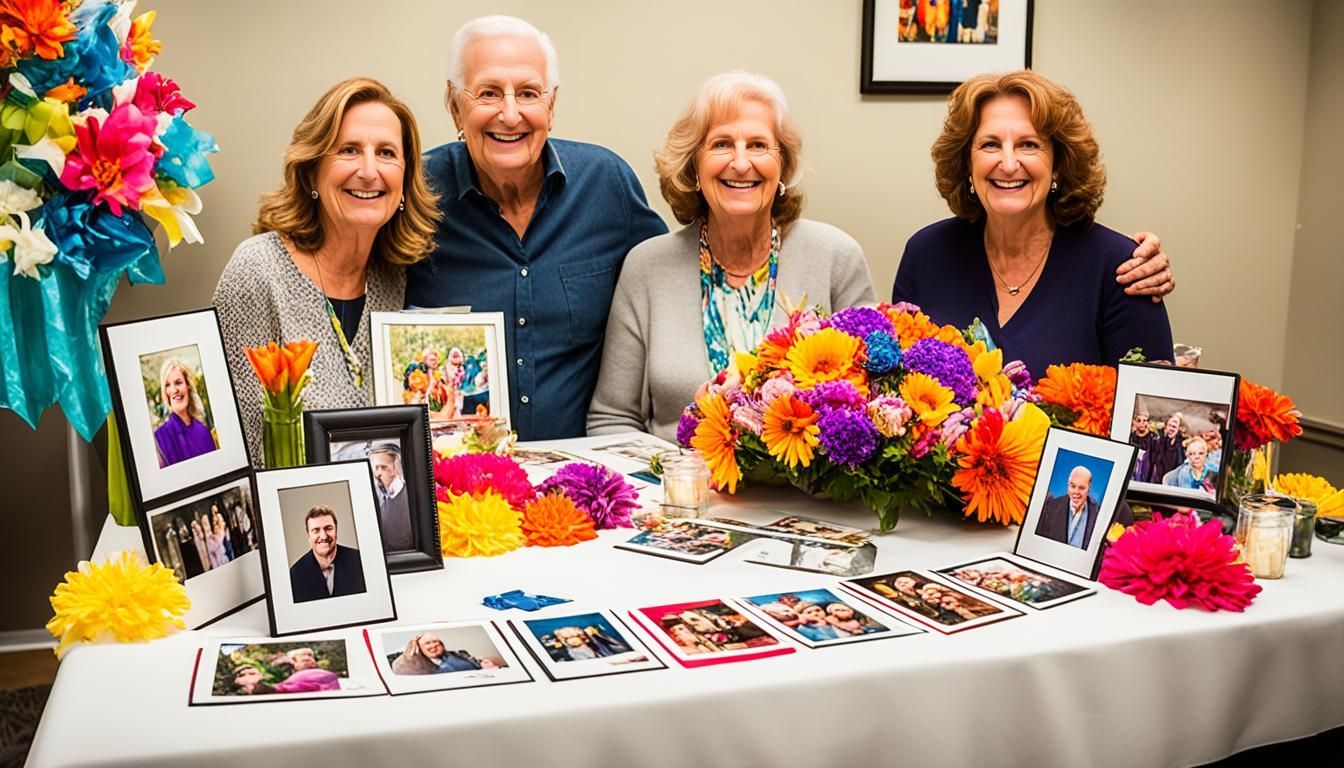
(283, 372)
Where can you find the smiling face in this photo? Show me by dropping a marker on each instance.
(571, 636)
(322, 536)
(1011, 164)
(431, 645)
(247, 678)
(303, 658)
(1080, 482)
(506, 139)
(739, 165)
(359, 179)
(697, 622)
(812, 614)
(177, 392)
(1173, 426)
(840, 611)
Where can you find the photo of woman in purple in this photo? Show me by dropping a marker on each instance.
(184, 433)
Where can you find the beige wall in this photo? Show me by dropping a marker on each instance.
(1200, 108)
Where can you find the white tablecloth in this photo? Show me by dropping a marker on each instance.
(1102, 681)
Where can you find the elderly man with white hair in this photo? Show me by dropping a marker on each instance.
(1070, 518)
(532, 226)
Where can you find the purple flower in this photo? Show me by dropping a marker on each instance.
(924, 444)
(686, 427)
(848, 437)
(601, 492)
(1017, 372)
(947, 363)
(861, 321)
(837, 394)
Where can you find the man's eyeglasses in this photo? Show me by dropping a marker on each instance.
(492, 96)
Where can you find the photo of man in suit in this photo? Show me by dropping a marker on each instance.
(1070, 518)
(394, 508)
(327, 569)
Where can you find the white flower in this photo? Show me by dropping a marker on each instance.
(14, 198)
(31, 246)
(47, 150)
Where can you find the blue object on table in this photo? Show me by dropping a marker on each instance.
(519, 599)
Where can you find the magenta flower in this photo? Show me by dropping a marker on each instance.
(601, 492)
(114, 158)
(1178, 560)
(474, 473)
(154, 93)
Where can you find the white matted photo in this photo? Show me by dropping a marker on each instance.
(585, 644)
(444, 656)
(246, 670)
(820, 617)
(210, 541)
(174, 401)
(322, 551)
(1029, 583)
(1079, 485)
(1180, 421)
(453, 363)
(930, 600)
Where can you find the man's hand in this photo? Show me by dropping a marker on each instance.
(1148, 271)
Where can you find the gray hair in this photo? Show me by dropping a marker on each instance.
(500, 26)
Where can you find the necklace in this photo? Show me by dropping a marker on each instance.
(1013, 290)
(750, 272)
(352, 365)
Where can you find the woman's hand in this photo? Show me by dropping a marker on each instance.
(1148, 271)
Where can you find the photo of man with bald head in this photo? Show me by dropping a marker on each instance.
(1070, 518)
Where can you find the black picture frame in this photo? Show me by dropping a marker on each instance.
(409, 426)
(952, 63)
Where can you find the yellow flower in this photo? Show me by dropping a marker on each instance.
(1115, 532)
(716, 440)
(1332, 505)
(995, 388)
(481, 525)
(1329, 500)
(931, 401)
(122, 598)
(826, 355)
(790, 430)
(141, 42)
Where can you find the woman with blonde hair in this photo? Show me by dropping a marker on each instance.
(330, 245)
(183, 434)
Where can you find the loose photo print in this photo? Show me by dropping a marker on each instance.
(444, 656)
(1079, 486)
(819, 617)
(812, 556)
(1179, 420)
(708, 632)
(1005, 577)
(210, 542)
(248, 670)
(690, 541)
(628, 453)
(452, 363)
(584, 645)
(174, 402)
(929, 600)
(806, 527)
(323, 551)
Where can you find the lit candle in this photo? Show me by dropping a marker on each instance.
(686, 486)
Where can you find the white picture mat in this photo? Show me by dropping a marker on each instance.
(894, 626)
(362, 680)
(946, 62)
(126, 343)
(886, 604)
(218, 590)
(375, 603)
(665, 641)
(1088, 587)
(610, 665)
(1170, 382)
(493, 322)
(1056, 553)
(513, 671)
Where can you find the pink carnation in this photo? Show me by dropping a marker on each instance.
(777, 387)
(889, 414)
(1180, 561)
(115, 158)
(479, 472)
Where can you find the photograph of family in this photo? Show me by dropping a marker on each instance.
(584, 644)
(433, 657)
(819, 617)
(812, 556)
(949, 21)
(1018, 583)
(936, 602)
(793, 525)
(1180, 442)
(686, 540)
(708, 628)
(206, 533)
(179, 404)
(297, 667)
(447, 362)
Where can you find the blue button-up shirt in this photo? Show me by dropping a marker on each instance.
(554, 286)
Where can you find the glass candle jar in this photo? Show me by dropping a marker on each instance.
(1303, 527)
(1264, 533)
(685, 485)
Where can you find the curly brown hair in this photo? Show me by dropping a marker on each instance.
(721, 95)
(291, 211)
(1056, 115)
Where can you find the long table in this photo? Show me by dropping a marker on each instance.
(1102, 681)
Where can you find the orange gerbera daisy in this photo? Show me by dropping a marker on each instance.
(554, 520)
(1087, 390)
(716, 440)
(827, 355)
(36, 27)
(1264, 416)
(931, 401)
(998, 462)
(790, 431)
(911, 327)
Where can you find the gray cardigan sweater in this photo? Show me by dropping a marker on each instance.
(654, 356)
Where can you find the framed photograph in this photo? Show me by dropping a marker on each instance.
(584, 645)
(813, 557)
(1179, 419)
(1029, 584)
(173, 398)
(932, 46)
(1079, 486)
(443, 657)
(322, 549)
(394, 439)
(451, 363)
(708, 632)
(930, 600)
(250, 670)
(689, 541)
(211, 542)
(819, 617)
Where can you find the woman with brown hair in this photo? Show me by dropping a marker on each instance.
(330, 246)
(1019, 167)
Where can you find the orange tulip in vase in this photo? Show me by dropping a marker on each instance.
(283, 371)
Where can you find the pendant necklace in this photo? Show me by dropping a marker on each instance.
(1013, 290)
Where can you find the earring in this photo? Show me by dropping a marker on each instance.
(313, 194)
(970, 184)
(782, 189)
(402, 205)
(461, 135)
(697, 183)
(1054, 186)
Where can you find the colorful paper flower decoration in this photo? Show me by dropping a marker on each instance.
(122, 599)
(480, 525)
(1178, 560)
(475, 473)
(554, 520)
(601, 492)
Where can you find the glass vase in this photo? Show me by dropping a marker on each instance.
(1251, 471)
(282, 437)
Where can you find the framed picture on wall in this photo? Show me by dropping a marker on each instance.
(932, 46)
(453, 363)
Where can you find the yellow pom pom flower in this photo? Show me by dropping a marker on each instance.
(122, 598)
(483, 525)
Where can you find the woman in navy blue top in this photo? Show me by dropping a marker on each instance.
(1019, 167)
